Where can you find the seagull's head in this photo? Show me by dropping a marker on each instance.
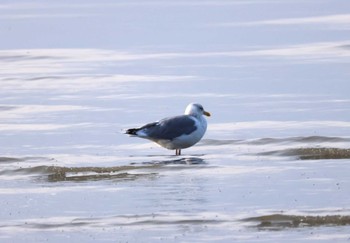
(196, 110)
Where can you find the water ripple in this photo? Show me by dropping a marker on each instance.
(312, 153)
(281, 221)
(286, 140)
(133, 171)
(267, 222)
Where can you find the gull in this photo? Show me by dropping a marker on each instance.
(175, 133)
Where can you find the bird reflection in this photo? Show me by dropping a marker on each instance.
(181, 161)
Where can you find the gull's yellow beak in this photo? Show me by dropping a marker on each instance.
(206, 113)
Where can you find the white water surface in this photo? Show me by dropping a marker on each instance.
(274, 75)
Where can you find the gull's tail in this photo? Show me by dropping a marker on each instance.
(132, 131)
(142, 132)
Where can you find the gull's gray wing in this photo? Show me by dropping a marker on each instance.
(170, 128)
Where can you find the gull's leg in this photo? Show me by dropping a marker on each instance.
(178, 152)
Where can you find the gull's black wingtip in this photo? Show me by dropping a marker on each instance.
(131, 131)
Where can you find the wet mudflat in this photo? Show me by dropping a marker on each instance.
(273, 166)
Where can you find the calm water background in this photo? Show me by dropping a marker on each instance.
(273, 166)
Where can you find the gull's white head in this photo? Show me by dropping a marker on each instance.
(194, 109)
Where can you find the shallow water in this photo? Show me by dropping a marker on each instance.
(273, 165)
